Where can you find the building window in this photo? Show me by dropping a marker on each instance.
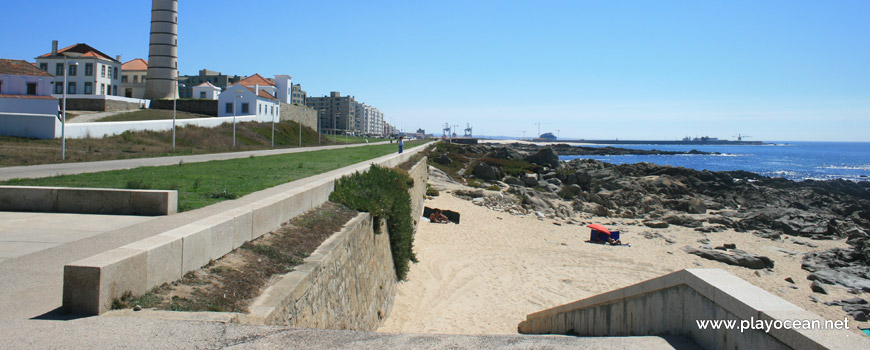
(58, 69)
(124, 79)
(89, 88)
(71, 88)
(102, 71)
(43, 66)
(114, 90)
(229, 108)
(135, 79)
(58, 87)
(245, 108)
(259, 108)
(115, 73)
(73, 69)
(31, 88)
(89, 69)
(202, 94)
(102, 89)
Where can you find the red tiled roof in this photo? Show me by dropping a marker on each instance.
(208, 84)
(256, 79)
(135, 64)
(29, 97)
(21, 67)
(263, 93)
(84, 49)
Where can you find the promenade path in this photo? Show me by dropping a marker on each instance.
(46, 170)
(31, 290)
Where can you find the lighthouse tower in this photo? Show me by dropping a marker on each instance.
(163, 51)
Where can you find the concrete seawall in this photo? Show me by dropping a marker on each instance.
(91, 284)
(672, 304)
(88, 200)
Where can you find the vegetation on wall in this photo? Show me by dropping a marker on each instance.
(383, 192)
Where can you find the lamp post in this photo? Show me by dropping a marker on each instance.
(273, 130)
(318, 130)
(63, 125)
(335, 129)
(234, 116)
(524, 135)
(558, 132)
(175, 108)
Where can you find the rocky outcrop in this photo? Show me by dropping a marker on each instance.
(735, 257)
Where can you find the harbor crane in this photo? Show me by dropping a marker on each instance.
(467, 130)
(740, 137)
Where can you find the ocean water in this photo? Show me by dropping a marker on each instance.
(790, 160)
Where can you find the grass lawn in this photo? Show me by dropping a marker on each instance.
(202, 184)
(150, 114)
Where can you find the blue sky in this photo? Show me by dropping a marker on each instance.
(775, 70)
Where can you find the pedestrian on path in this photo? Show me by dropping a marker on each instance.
(401, 144)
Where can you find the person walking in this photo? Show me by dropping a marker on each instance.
(401, 144)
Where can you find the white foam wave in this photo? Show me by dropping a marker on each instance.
(846, 167)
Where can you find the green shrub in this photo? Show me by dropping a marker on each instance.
(431, 191)
(383, 193)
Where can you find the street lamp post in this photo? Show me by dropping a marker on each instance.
(524, 135)
(273, 130)
(335, 130)
(558, 132)
(234, 119)
(175, 108)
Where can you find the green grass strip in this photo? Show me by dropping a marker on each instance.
(206, 183)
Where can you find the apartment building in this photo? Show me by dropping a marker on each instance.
(89, 71)
(337, 114)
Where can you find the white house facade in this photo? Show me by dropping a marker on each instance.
(27, 108)
(133, 75)
(206, 91)
(89, 71)
(284, 87)
(240, 100)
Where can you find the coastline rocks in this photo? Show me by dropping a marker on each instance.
(736, 257)
(545, 157)
(510, 180)
(570, 191)
(487, 172)
(655, 224)
(443, 159)
(790, 221)
(818, 288)
(530, 180)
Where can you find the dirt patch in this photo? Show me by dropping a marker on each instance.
(229, 284)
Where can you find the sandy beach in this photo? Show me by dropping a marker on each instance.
(486, 274)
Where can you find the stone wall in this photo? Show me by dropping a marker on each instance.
(349, 282)
(207, 107)
(101, 105)
(306, 115)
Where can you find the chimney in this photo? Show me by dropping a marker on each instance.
(256, 90)
(54, 47)
(118, 58)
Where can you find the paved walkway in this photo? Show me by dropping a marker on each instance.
(46, 170)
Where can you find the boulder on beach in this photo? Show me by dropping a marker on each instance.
(545, 157)
(733, 257)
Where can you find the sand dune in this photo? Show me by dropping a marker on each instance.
(486, 274)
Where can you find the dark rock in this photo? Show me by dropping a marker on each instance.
(510, 180)
(443, 159)
(546, 156)
(848, 278)
(814, 299)
(859, 316)
(487, 172)
(818, 288)
(790, 221)
(656, 224)
(735, 257)
(682, 220)
(789, 280)
(506, 153)
(530, 180)
(730, 246)
(570, 191)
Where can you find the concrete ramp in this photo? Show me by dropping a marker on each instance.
(679, 303)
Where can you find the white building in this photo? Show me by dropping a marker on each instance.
(133, 75)
(27, 108)
(89, 71)
(240, 100)
(285, 88)
(206, 91)
(257, 80)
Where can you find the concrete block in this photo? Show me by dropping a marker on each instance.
(90, 285)
(28, 198)
(320, 193)
(242, 225)
(154, 203)
(93, 201)
(266, 216)
(163, 256)
(222, 234)
(196, 245)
